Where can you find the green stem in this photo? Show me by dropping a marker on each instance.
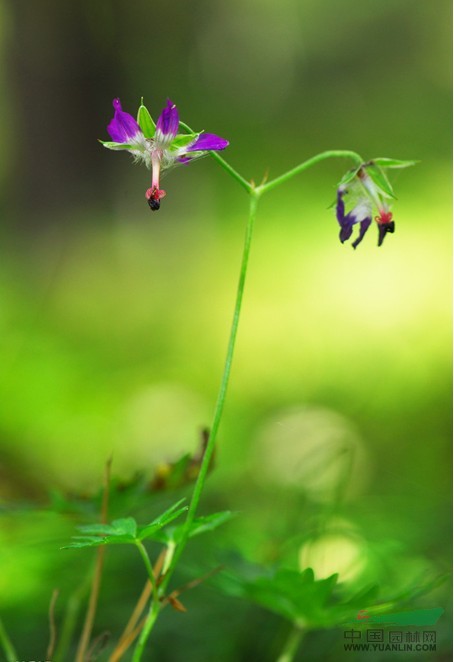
(291, 645)
(149, 623)
(223, 163)
(337, 153)
(11, 655)
(154, 607)
(146, 559)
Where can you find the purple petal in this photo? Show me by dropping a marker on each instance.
(123, 128)
(346, 222)
(363, 228)
(168, 121)
(208, 141)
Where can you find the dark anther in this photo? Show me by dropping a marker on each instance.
(154, 204)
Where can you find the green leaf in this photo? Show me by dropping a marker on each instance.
(158, 523)
(289, 593)
(198, 526)
(349, 176)
(393, 163)
(126, 526)
(145, 121)
(210, 522)
(380, 180)
(97, 529)
(125, 530)
(119, 527)
(85, 541)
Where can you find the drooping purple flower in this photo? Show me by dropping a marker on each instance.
(160, 147)
(367, 195)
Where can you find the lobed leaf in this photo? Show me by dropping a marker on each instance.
(149, 530)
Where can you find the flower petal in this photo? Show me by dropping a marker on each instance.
(167, 124)
(363, 228)
(346, 221)
(208, 141)
(123, 127)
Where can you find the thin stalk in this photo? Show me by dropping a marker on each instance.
(291, 645)
(147, 628)
(223, 163)
(52, 626)
(337, 153)
(5, 642)
(146, 559)
(70, 620)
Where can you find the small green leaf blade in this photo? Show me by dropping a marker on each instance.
(349, 176)
(210, 522)
(85, 541)
(96, 529)
(126, 526)
(145, 121)
(119, 527)
(160, 522)
(385, 162)
(199, 525)
(380, 180)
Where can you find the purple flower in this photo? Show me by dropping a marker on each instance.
(160, 147)
(367, 195)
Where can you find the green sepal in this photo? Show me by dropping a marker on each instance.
(145, 121)
(380, 180)
(393, 163)
(349, 176)
(183, 140)
(112, 145)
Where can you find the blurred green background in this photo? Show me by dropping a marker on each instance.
(114, 322)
